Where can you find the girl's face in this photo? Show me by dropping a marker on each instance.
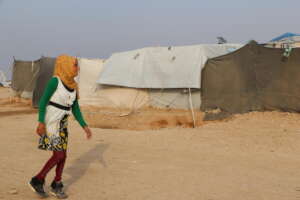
(76, 68)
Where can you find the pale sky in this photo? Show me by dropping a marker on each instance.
(96, 28)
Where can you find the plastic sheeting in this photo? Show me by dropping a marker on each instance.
(285, 36)
(161, 67)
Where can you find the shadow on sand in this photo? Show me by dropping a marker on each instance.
(81, 164)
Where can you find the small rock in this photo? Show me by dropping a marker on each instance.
(13, 191)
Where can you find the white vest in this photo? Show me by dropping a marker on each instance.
(53, 114)
(63, 96)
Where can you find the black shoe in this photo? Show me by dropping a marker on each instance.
(57, 190)
(38, 187)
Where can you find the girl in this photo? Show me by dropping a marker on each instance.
(58, 101)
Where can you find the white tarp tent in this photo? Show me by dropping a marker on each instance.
(161, 67)
(92, 93)
(88, 75)
(3, 80)
(2, 77)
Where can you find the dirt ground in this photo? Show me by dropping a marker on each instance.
(142, 119)
(254, 156)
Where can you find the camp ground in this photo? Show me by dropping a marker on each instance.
(202, 112)
(150, 100)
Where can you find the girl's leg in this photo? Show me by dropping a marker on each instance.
(54, 160)
(60, 168)
(57, 185)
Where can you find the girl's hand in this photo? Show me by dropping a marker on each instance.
(41, 129)
(88, 132)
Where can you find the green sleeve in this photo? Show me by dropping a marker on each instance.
(77, 113)
(50, 89)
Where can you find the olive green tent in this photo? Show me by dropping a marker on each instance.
(253, 78)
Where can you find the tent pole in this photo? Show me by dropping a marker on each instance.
(191, 106)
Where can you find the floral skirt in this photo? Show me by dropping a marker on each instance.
(56, 142)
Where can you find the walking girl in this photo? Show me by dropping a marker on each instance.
(59, 100)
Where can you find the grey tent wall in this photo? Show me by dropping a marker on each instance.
(44, 75)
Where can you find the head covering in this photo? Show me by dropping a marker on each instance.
(64, 69)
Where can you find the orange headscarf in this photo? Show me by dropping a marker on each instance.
(65, 71)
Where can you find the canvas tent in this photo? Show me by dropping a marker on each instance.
(161, 67)
(180, 98)
(3, 79)
(253, 78)
(92, 93)
(160, 76)
(44, 75)
(88, 74)
(24, 75)
(29, 78)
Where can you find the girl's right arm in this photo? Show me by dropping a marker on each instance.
(49, 90)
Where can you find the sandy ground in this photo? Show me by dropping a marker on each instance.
(142, 119)
(253, 156)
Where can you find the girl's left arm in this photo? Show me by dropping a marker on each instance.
(77, 114)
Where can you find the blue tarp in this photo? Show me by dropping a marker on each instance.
(286, 35)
